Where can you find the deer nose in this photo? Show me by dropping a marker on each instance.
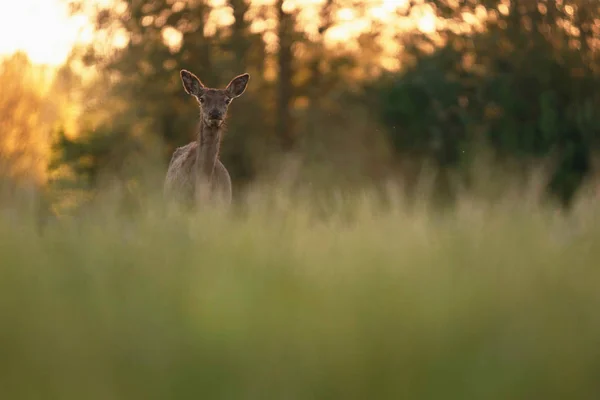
(215, 114)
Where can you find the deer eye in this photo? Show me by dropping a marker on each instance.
(201, 100)
(227, 101)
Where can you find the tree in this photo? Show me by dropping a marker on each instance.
(285, 90)
(523, 82)
(27, 118)
(145, 103)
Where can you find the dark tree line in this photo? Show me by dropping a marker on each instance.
(523, 82)
(526, 85)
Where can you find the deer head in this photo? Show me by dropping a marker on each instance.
(213, 102)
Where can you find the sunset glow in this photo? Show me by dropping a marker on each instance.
(46, 32)
(41, 28)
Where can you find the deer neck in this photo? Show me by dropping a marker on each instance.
(209, 142)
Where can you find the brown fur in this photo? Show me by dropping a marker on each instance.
(195, 173)
(181, 176)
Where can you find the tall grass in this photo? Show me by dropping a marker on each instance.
(479, 303)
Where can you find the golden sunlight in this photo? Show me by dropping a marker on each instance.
(43, 29)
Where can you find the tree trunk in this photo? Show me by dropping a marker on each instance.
(285, 89)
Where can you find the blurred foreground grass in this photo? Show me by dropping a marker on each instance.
(481, 303)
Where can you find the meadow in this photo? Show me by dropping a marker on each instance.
(470, 281)
(489, 300)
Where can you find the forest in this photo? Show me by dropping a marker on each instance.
(344, 96)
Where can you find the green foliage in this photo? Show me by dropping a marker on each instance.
(524, 94)
(523, 83)
(306, 110)
(144, 76)
(422, 109)
(86, 156)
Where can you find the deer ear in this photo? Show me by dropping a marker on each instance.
(237, 86)
(191, 83)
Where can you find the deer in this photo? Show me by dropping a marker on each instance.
(195, 173)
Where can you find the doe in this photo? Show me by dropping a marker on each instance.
(195, 174)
